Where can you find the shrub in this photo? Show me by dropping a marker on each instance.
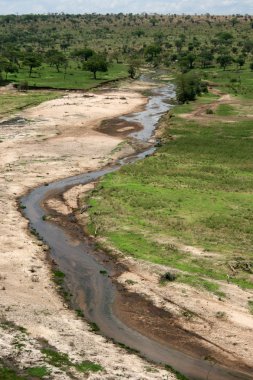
(23, 86)
(189, 85)
(168, 276)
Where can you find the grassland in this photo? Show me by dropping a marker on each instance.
(195, 191)
(236, 82)
(74, 78)
(11, 102)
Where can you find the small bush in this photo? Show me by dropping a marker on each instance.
(221, 315)
(168, 276)
(94, 327)
(209, 111)
(23, 86)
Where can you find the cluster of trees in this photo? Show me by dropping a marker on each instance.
(11, 62)
(178, 42)
(219, 51)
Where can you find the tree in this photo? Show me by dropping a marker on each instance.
(83, 54)
(10, 68)
(7, 66)
(116, 55)
(138, 33)
(134, 64)
(96, 63)
(32, 60)
(152, 51)
(186, 62)
(188, 86)
(224, 60)
(132, 71)
(240, 61)
(224, 38)
(56, 58)
(4, 62)
(234, 21)
(205, 58)
(248, 46)
(179, 44)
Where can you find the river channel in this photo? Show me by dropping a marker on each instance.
(94, 292)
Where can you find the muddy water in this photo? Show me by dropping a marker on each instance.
(86, 277)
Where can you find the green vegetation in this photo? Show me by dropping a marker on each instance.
(12, 102)
(88, 366)
(188, 86)
(58, 278)
(62, 360)
(238, 83)
(58, 50)
(178, 375)
(9, 374)
(55, 358)
(38, 372)
(94, 327)
(196, 190)
(225, 110)
(48, 76)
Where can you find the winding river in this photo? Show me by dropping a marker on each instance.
(93, 292)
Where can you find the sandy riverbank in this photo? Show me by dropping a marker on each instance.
(57, 139)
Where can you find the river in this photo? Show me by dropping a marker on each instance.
(94, 292)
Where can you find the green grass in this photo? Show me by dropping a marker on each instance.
(225, 110)
(75, 78)
(178, 375)
(201, 283)
(58, 277)
(205, 99)
(38, 372)
(87, 366)
(9, 374)
(13, 102)
(196, 190)
(62, 360)
(238, 83)
(56, 358)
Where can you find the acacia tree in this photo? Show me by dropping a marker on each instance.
(224, 60)
(7, 66)
(205, 58)
(56, 58)
(240, 61)
(96, 63)
(152, 52)
(83, 54)
(32, 60)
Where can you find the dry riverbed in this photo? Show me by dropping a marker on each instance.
(53, 140)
